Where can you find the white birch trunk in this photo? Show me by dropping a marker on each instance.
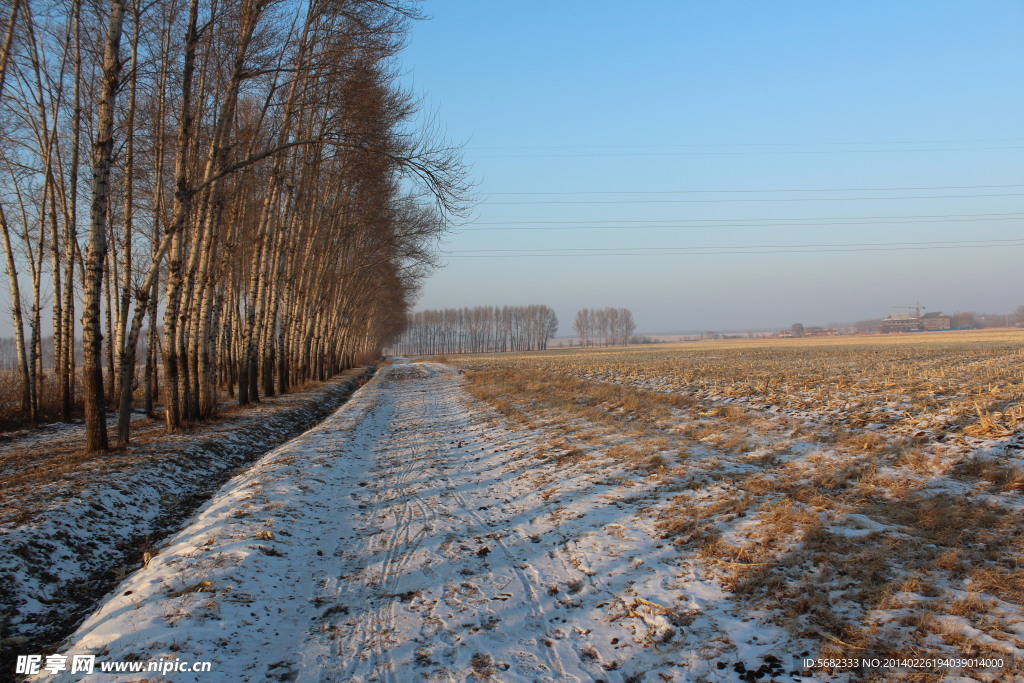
(95, 408)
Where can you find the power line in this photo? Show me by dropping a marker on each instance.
(768, 199)
(700, 226)
(748, 246)
(789, 249)
(843, 189)
(746, 153)
(756, 144)
(1008, 216)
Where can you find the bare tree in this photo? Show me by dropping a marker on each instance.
(477, 330)
(611, 325)
(103, 147)
(265, 169)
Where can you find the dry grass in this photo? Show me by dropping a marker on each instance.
(12, 417)
(1003, 582)
(833, 482)
(999, 476)
(58, 463)
(975, 378)
(688, 521)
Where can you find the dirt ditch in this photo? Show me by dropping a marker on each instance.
(72, 526)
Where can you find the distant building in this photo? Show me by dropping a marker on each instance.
(905, 322)
(901, 322)
(936, 321)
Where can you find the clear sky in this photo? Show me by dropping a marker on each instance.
(731, 164)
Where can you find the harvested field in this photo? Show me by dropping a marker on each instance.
(863, 493)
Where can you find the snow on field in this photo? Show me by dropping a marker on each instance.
(871, 534)
(411, 537)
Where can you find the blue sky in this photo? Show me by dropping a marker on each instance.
(852, 133)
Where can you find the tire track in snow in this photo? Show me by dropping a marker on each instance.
(419, 518)
(368, 549)
(460, 431)
(396, 504)
(537, 612)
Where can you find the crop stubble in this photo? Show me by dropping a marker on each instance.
(865, 491)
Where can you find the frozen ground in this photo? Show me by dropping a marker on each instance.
(411, 537)
(73, 525)
(874, 515)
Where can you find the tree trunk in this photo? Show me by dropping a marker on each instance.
(66, 371)
(182, 198)
(16, 315)
(126, 348)
(92, 338)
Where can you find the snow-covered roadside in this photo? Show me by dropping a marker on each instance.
(409, 538)
(69, 539)
(44, 434)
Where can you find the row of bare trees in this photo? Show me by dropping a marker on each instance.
(604, 326)
(246, 171)
(477, 330)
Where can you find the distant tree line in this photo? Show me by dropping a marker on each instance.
(477, 330)
(604, 326)
(971, 320)
(248, 170)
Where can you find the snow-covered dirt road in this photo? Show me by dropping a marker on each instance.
(411, 537)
